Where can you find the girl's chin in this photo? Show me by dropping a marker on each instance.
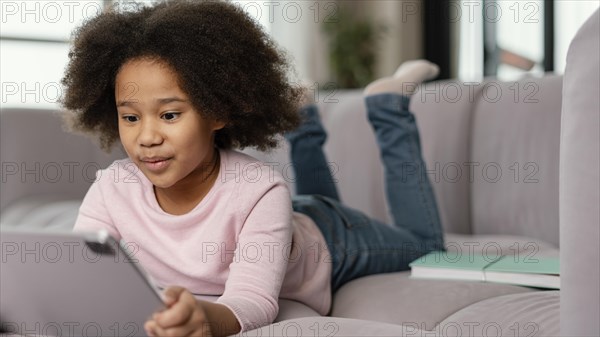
(160, 183)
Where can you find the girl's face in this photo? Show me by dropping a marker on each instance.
(159, 128)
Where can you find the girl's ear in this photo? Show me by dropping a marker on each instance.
(217, 125)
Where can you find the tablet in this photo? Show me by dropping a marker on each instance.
(73, 284)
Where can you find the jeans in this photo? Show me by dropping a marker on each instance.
(359, 245)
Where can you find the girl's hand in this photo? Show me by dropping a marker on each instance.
(184, 316)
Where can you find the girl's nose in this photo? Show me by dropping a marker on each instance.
(150, 134)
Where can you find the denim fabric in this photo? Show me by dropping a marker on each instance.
(308, 160)
(360, 245)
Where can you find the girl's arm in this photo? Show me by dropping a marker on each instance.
(262, 255)
(93, 214)
(255, 275)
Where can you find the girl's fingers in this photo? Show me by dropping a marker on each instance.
(201, 328)
(180, 331)
(172, 294)
(159, 332)
(204, 332)
(176, 315)
(179, 313)
(150, 328)
(196, 326)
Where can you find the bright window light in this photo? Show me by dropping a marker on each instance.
(470, 58)
(45, 19)
(34, 48)
(568, 17)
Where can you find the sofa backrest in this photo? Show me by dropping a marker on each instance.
(491, 149)
(354, 158)
(493, 161)
(38, 158)
(444, 110)
(515, 135)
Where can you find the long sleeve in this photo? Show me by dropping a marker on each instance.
(262, 253)
(93, 213)
(234, 244)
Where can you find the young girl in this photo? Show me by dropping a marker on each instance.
(181, 84)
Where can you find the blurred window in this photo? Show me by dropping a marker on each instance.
(519, 37)
(504, 38)
(511, 38)
(34, 47)
(569, 15)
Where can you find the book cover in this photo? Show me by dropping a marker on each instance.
(542, 272)
(451, 266)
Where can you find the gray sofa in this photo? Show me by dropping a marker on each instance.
(515, 169)
(494, 165)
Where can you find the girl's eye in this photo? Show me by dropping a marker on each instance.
(130, 119)
(169, 116)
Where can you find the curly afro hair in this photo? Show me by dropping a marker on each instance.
(226, 64)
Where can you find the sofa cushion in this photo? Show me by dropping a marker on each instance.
(41, 212)
(515, 143)
(397, 298)
(531, 314)
(289, 309)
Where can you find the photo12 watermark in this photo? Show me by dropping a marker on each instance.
(36, 92)
(254, 172)
(470, 329)
(49, 11)
(290, 328)
(70, 329)
(67, 252)
(291, 11)
(488, 92)
(62, 12)
(515, 11)
(490, 251)
(472, 171)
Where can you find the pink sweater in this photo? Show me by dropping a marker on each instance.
(242, 242)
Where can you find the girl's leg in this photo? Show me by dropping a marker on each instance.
(308, 159)
(408, 190)
(362, 246)
(358, 245)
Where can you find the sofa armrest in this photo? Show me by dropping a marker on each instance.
(579, 185)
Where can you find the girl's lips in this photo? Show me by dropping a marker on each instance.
(156, 165)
